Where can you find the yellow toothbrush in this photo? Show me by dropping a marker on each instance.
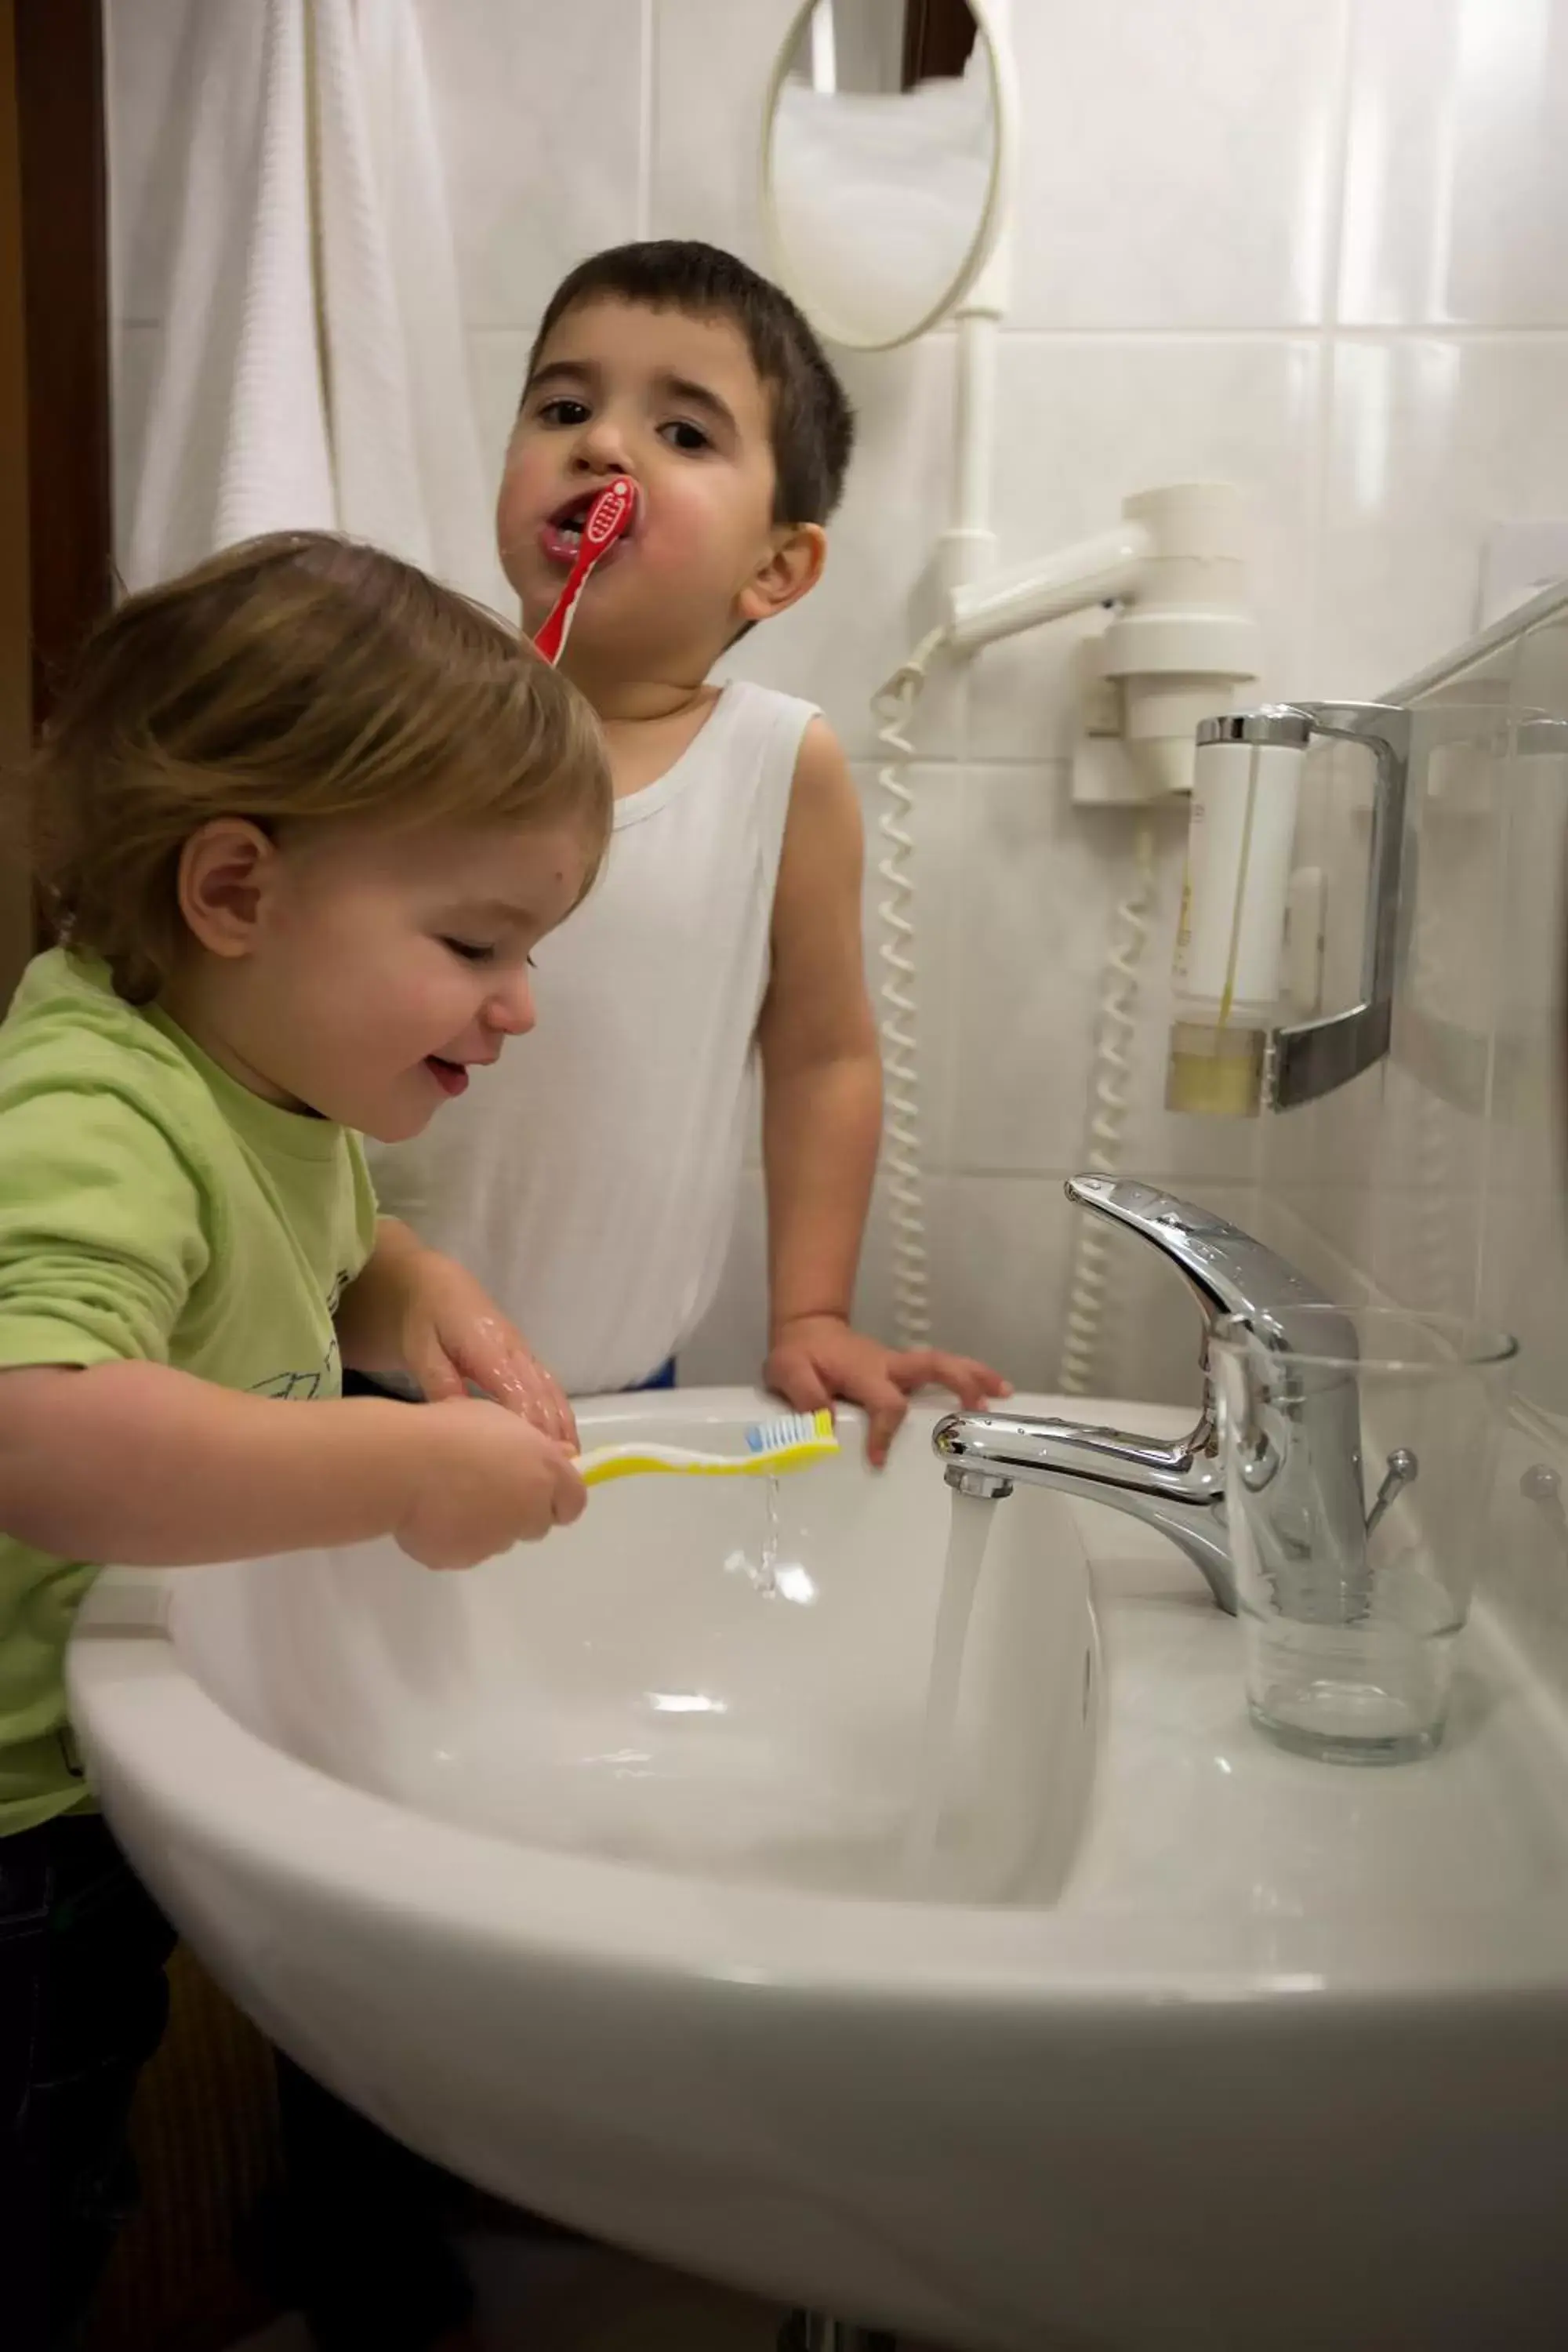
(792, 1443)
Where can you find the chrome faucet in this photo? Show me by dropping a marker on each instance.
(1309, 1458)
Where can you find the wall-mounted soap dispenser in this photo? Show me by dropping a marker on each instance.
(1229, 1053)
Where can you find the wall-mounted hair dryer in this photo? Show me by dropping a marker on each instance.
(1179, 638)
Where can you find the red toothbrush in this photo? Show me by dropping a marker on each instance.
(607, 519)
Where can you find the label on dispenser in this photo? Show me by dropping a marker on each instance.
(1180, 960)
(1242, 831)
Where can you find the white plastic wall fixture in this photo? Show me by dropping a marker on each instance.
(1047, 588)
(966, 551)
(1182, 641)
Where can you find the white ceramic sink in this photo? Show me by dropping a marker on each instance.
(582, 1872)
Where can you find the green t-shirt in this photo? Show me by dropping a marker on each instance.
(150, 1207)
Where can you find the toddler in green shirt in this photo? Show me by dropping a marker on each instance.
(300, 823)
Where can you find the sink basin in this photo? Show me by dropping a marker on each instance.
(583, 1872)
(652, 1690)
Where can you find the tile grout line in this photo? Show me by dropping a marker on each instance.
(1507, 821)
(1267, 1171)
(1328, 337)
(1309, 331)
(1438, 330)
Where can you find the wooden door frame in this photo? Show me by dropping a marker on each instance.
(938, 37)
(65, 277)
(57, 532)
(16, 599)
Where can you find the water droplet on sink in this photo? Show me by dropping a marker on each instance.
(792, 1582)
(763, 1572)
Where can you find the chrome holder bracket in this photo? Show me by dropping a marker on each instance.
(1309, 1058)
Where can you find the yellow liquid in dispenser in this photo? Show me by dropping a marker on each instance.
(1215, 1072)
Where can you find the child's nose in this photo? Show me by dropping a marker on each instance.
(510, 1009)
(605, 443)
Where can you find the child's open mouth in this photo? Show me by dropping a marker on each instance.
(561, 536)
(450, 1077)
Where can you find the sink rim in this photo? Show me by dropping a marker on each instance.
(169, 1754)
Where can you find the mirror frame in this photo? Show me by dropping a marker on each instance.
(998, 192)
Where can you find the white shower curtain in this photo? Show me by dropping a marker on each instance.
(313, 373)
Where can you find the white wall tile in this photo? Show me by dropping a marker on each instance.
(1317, 1158)
(1148, 137)
(731, 1344)
(1177, 163)
(1421, 1218)
(1438, 1175)
(851, 632)
(1456, 198)
(1001, 1272)
(1082, 422)
(1391, 1169)
(710, 66)
(1434, 439)
(1002, 1287)
(539, 109)
(1539, 679)
(1037, 874)
(1524, 1284)
(1278, 1227)
(938, 824)
(732, 1341)
(1525, 1263)
(1037, 891)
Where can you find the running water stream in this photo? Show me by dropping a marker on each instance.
(972, 1518)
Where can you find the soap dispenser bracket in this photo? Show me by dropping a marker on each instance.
(1309, 1058)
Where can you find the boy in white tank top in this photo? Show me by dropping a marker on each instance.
(591, 1182)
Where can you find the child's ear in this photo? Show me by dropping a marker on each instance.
(790, 572)
(227, 869)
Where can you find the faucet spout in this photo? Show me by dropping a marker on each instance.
(1179, 1489)
(1176, 1489)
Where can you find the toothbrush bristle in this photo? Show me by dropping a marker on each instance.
(791, 1428)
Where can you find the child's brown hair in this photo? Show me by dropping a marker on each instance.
(812, 423)
(294, 679)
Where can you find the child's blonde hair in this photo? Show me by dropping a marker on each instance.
(297, 678)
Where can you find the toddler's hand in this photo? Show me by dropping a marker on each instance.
(483, 1480)
(453, 1332)
(818, 1358)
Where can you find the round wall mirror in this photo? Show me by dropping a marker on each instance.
(886, 147)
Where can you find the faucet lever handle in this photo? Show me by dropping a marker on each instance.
(1228, 1271)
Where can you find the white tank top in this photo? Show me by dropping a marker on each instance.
(589, 1179)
